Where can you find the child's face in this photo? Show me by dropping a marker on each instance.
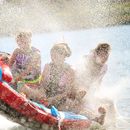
(102, 58)
(57, 58)
(24, 42)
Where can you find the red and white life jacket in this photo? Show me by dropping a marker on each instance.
(5, 73)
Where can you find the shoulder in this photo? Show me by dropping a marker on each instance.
(16, 51)
(68, 67)
(35, 50)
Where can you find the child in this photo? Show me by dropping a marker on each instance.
(94, 70)
(25, 61)
(58, 76)
(95, 65)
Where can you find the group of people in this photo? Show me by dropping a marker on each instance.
(58, 82)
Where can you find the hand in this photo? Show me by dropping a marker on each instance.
(80, 94)
(102, 110)
(52, 101)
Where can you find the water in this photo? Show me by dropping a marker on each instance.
(116, 81)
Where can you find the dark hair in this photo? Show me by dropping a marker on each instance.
(61, 48)
(102, 47)
(24, 34)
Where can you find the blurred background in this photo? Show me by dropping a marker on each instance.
(56, 15)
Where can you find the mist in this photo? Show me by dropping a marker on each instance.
(73, 20)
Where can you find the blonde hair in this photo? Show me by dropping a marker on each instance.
(61, 48)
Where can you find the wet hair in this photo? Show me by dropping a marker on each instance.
(102, 47)
(24, 34)
(4, 57)
(61, 48)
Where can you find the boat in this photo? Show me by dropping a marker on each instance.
(32, 114)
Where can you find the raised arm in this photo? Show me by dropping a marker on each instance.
(45, 74)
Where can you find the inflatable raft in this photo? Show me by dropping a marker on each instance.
(32, 114)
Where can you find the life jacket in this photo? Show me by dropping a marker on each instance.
(5, 73)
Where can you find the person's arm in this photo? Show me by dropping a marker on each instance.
(13, 57)
(37, 62)
(45, 74)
